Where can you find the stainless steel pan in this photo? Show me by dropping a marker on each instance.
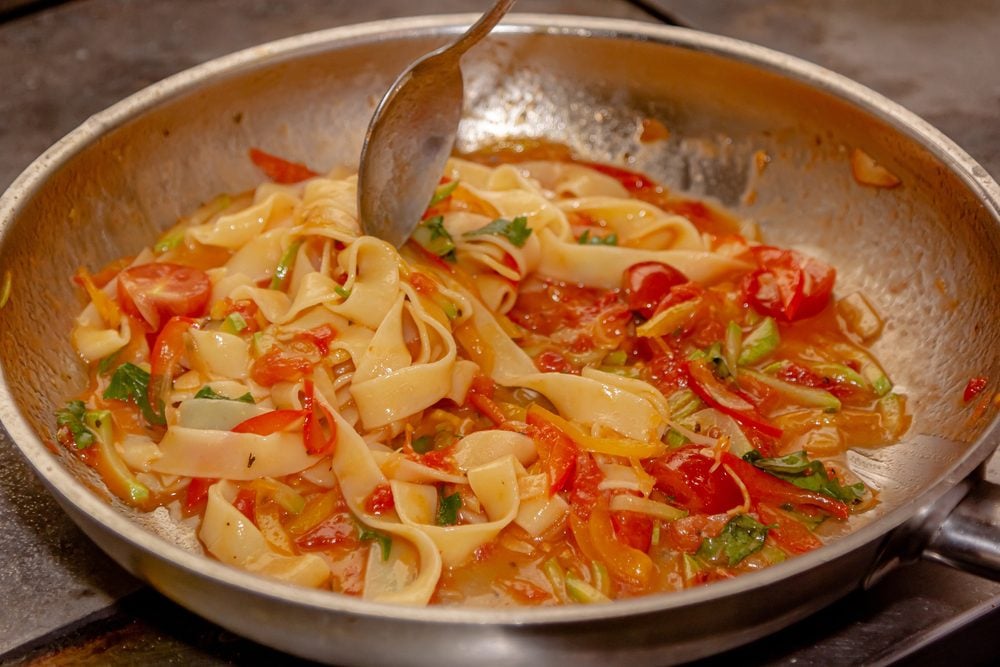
(925, 253)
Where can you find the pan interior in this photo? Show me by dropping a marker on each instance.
(925, 254)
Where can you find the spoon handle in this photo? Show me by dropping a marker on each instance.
(480, 28)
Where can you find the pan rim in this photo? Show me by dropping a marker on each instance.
(70, 490)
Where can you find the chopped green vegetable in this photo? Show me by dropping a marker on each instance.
(383, 540)
(654, 540)
(131, 383)
(841, 373)
(804, 473)
(714, 354)
(517, 230)
(580, 591)
(676, 439)
(773, 555)
(72, 418)
(869, 367)
(776, 367)
(448, 506)
(450, 310)
(683, 403)
(443, 192)
(616, 358)
(342, 291)
(234, 323)
(760, 342)
(602, 580)
(434, 238)
(557, 578)
(807, 396)
(733, 343)
(893, 410)
(742, 536)
(284, 266)
(105, 364)
(587, 239)
(208, 392)
(624, 371)
(691, 567)
(423, 444)
(169, 241)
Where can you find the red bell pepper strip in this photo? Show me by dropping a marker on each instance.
(557, 450)
(165, 358)
(246, 503)
(704, 383)
(766, 488)
(197, 493)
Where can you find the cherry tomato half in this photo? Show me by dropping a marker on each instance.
(789, 285)
(646, 284)
(279, 169)
(158, 291)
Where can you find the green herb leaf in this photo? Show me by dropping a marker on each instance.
(72, 418)
(434, 238)
(383, 540)
(516, 230)
(343, 292)
(423, 444)
(798, 469)
(448, 506)
(742, 536)
(587, 239)
(131, 383)
(443, 192)
(234, 323)
(208, 392)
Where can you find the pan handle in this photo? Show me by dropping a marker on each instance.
(969, 537)
(960, 529)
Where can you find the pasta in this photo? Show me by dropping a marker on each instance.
(567, 369)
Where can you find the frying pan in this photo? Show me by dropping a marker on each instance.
(925, 253)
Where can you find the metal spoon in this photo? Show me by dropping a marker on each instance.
(411, 136)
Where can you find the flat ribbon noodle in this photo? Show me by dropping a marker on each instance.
(495, 485)
(232, 538)
(195, 452)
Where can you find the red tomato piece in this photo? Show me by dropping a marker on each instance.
(270, 422)
(791, 535)
(339, 529)
(278, 366)
(279, 169)
(765, 487)
(974, 387)
(686, 534)
(157, 291)
(320, 337)
(551, 361)
(686, 475)
(197, 493)
(633, 529)
(789, 285)
(165, 358)
(246, 503)
(584, 493)
(481, 397)
(380, 500)
(558, 451)
(646, 284)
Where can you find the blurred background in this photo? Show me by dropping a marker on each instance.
(64, 602)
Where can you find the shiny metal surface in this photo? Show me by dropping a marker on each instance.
(968, 538)
(105, 190)
(412, 133)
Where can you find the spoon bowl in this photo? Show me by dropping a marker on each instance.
(412, 134)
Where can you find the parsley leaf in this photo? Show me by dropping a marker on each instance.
(72, 418)
(811, 475)
(104, 366)
(742, 536)
(587, 239)
(434, 238)
(516, 230)
(383, 540)
(208, 392)
(131, 383)
(448, 506)
(423, 444)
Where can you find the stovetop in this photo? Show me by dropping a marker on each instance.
(63, 601)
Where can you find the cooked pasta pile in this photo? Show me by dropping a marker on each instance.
(569, 386)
